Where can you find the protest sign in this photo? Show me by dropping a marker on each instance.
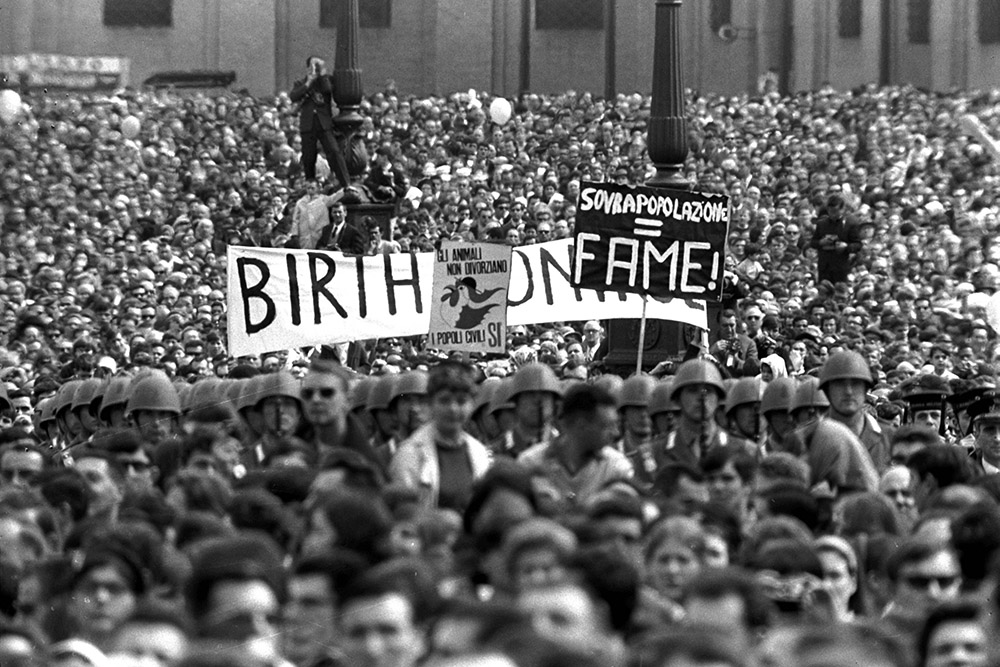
(280, 299)
(469, 298)
(652, 241)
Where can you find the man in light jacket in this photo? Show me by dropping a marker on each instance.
(440, 459)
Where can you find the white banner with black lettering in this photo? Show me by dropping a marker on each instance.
(280, 299)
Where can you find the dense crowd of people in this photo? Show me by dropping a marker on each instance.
(814, 481)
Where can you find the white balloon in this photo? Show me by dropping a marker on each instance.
(10, 105)
(131, 127)
(500, 111)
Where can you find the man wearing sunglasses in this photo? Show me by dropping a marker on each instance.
(326, 407)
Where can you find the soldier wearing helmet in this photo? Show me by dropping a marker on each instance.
(154, 407)
(70, 428)
(246, 406)
(837, 459)
(743, 408)
(775, 406)
(501, 411)
(637, 425)
(82, 407)
(111, 410)
(846, 379)
(535, 393)
(45, 425)
(409, 403)
(280, 407)
(663, 412)
(361, 390)
(383, 435)
(698, 390)
(808, 403)
(483, 425)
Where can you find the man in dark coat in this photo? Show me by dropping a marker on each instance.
(314, 94)
(386, 181)
(341, 235)
(836, 239)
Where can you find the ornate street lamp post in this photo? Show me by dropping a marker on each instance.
(347, 90)
(667, 143)
(667, 140)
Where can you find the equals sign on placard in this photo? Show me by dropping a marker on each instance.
(648, 227)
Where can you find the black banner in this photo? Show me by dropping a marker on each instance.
(664, 243)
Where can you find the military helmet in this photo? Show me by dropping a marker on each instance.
(84, 394)
(185, 394)
(98, 396)
(744, 392)
(660, 400)
(845, 365)
(382, 393)
(535, 377)
(46, 411)
(198, 394)
(636, 391)
(809, 395)
(115, 395)
(778, 395)
(484, 394)
(698, 372)
(233, 390)
(501, 399)
(611, 383)
(360, 391)
(64, 396)
(410, 383)
(249, 393)
(280, 383)
(153, 391)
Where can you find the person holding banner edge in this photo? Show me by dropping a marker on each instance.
(311, 217)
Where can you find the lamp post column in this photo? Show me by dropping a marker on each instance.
(667, 138)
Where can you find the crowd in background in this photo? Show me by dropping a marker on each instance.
(812, 483)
